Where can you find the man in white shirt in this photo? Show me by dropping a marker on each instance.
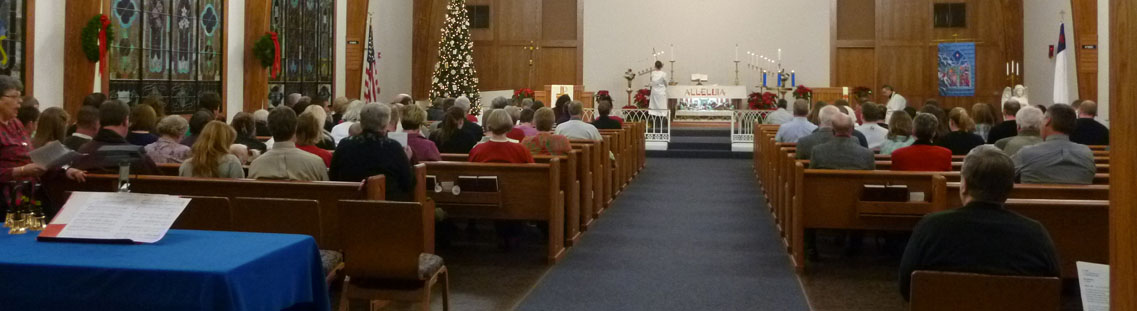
(895, 102)
(575, 128)
(779, 116)
(797, 128)
(875, 132)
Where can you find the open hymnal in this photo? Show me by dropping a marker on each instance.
(400, 137)
(53, 155)
(113, 216)
(1094, 282)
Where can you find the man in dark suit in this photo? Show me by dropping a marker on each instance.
(86, 125)
(1007, 128)
(983, 236)
(1089, 131)
(114, 117)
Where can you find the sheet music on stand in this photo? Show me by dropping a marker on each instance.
(114, 217)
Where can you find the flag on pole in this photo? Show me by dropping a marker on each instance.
(1061, 87)
(370, 88)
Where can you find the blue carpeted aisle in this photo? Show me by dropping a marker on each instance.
(688, 234)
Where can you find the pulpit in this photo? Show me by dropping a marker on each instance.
(549, 93)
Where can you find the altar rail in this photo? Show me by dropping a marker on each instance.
(657, 127)
(742, 124)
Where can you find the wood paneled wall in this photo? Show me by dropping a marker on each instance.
(1123, 201)
(29, 47)
(1086, 34)
(356, 36)
(500, 54)
(257, 22)
(878, 42)
(78, 72)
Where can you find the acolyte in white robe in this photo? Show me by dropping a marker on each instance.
(895, 103)
(658, 101)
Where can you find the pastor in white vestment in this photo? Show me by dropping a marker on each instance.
(658, 101)
(895, 102)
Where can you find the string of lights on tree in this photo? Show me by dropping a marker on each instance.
(454, 74)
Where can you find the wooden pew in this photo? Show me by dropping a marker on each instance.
(598, 160)
(520, 195)
(325, 193)
(1079, 228)
(1041, 191)
(943, 291)
(205, 213)
(570, 186)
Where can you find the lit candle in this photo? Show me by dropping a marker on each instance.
(736, 52)
(672, 52)
(779, 55)
(763, 78)
(1017, 72)
(793, 78)
(1008, 68)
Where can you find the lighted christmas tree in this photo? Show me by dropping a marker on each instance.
(454, 74)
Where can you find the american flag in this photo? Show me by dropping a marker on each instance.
(370, 84)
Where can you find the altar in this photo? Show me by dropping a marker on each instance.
(708, 103)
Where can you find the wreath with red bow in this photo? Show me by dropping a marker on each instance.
(94, 39)
(267, 51)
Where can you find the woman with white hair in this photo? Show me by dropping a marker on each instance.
(325, 140)
(373, 153)
(350, 116)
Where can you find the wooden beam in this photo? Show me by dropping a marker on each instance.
(1123, 142)
(257, 17)
(78, 72)
(29, 47)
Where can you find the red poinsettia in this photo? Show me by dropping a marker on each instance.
(642, 99)
(803, 92)
(762, 101)
(602, 94)
(524, 93)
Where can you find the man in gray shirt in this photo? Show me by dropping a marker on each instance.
(1029, 120)
(824, 133)
(1056, 160)
(843, 152)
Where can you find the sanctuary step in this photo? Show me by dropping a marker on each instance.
(704, 142)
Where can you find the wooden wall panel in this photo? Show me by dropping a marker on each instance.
(29, 48)
(1123, 108)
(78, 73)
(1086, 33)
(511, 68)
(557, 66)
(856, 20)
(483, 62)
(558, 17)
(855, 67)
(517, 20)
(257, 14)
(353, 58)
(901, 20)
(428, 18)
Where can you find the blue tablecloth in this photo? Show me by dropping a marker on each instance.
(186, 270)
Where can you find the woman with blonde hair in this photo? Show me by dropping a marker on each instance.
(309, 133)
(961, 139)
(900, 130)
(52, 126)
(211, 157)
(324, 140)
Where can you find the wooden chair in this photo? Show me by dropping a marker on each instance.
(205, 213)
(934, 291)
(384, 255)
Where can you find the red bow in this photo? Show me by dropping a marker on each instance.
(103, 44)
(276, 54)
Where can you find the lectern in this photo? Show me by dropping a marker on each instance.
(549, 93)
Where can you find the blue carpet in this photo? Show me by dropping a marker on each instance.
(688, 234)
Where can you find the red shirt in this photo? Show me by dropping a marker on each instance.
(324, 154)
(14, 147)
(500, 152)
(922, 157)
(516, 134)
(472, 118)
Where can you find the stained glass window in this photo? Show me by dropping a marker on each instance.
(170, 49)
(12, 13)
(305, 29)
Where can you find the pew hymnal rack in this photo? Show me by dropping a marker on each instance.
(114, 217)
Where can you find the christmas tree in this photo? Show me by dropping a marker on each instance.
(454, 73)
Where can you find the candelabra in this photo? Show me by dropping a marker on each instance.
(23, 213)
(672, 74)
(737, 81)
(629, 75)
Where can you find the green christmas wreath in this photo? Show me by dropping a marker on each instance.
(264, 50)
(90, 37)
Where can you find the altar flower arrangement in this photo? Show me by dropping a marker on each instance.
(803, 92)
(862, 93)
(642, 98)
(521, 94)
(762, 101)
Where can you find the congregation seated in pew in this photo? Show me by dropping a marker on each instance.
(984, 117)
(604, 121)
(210, 154)
(961, 139)
(422, 149)
(780, 115)
(900, 134)
(247, 132)
(876, 133)
(309, 135)
(1089, 131)
(982, 236)
(922, 155)
(1029, 121)
(455, 134)
(1057, 160)
(575, 127)
(525, 120)
(1007, 128)
(499, 149)
(168, 148)
(197, 123)
(545, 142)
(842, 152)
(373, 153)
(798, 127)
(142, 121)
(824, 132)
(284, 161)
(114, 119)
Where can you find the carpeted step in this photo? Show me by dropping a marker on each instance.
(717, 132)
(699, 154)
(700, 142)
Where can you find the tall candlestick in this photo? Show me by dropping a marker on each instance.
(736, 52)
(793, 78)
(672, 52)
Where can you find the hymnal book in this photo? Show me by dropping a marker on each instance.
(53, 155)
(400, 137)
(884, 193)
(115, 217)
(1094, 282)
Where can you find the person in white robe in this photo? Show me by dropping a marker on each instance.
(658, 101)
(895, 102)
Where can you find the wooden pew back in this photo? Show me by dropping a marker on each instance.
(935, 291)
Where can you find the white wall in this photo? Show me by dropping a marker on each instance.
(1103, 62)
(1040, 27)
(48, 77)
(621, 34)
(235, 72)
(394, 28)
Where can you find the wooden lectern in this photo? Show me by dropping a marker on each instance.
(549, 97)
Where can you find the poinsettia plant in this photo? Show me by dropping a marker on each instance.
(521, 94)
(643, 98)
(601, 94)
(762, 101)
(803, 92)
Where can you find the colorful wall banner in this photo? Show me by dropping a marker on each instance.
(957, 69)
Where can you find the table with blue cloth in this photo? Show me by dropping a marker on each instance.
(186, 270)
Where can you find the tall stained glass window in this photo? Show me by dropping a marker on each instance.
(12, 14)
(305, 29)
(170, 49)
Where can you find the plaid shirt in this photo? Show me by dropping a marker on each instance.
(14, 147)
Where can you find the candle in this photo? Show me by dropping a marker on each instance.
(1008, 68)
(672, 52)
(1017, 72)
(736, 52)
(793, 78)
(763, 78)
(779, 55)
(779, 79)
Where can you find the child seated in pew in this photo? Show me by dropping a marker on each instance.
(500, 150)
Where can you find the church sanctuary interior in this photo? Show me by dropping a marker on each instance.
(829, 155)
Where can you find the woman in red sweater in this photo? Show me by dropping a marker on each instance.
(308, 134)
(923, 155)
(499, 149)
